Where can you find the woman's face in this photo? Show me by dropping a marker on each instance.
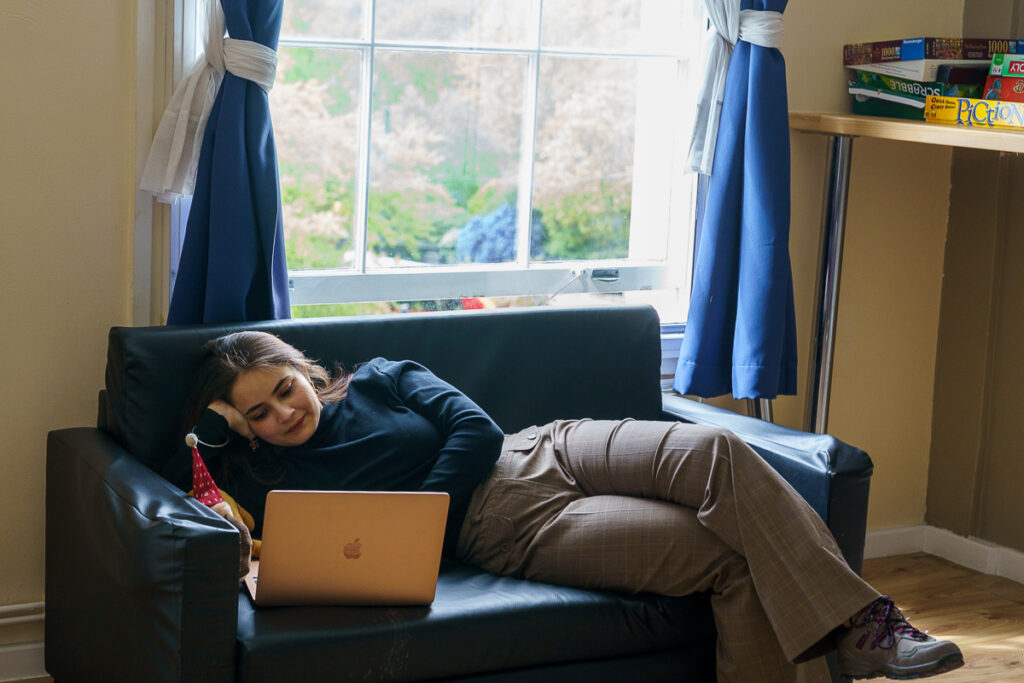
(278, 403)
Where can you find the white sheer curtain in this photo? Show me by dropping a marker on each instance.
(170, 170)
(728, 24)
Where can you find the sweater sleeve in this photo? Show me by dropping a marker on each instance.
(472, 440)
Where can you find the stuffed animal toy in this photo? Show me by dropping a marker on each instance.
(206, 492)
(242, 515)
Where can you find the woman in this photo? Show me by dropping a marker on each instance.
(633, 506)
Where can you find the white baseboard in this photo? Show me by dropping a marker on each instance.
(20, 662)
(974, 553)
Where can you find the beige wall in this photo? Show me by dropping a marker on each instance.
(896, 230)
(977, 233)
(999, 505)
(65, 170)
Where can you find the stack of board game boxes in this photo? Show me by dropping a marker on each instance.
(894, 77)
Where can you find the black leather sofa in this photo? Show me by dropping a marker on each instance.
(141, 581)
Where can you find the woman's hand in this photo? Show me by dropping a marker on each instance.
(236, 421)
(244, 538)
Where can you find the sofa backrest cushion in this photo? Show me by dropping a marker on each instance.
(523, 366)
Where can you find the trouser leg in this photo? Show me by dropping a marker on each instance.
(800, 578)
(639, 545)
(802, 582)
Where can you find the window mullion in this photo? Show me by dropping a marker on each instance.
(528, 143)
(362, 189)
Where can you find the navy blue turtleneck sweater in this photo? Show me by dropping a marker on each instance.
(399, 428)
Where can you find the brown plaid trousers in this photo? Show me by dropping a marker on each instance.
(674, 509)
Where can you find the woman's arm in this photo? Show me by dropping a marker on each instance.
(472, 441)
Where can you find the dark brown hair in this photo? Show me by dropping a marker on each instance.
(228, 358)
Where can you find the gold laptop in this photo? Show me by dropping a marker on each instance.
(349, 548)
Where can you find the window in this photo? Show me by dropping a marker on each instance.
(474, 151)
(471, 153)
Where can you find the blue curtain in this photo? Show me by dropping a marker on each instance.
(232, 265)
(741, 326)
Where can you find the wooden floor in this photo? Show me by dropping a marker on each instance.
(982, 614)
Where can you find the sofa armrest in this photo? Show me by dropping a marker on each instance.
(141, 581)
(832, 476)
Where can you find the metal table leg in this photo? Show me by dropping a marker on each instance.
(830, 263)
(761, 408)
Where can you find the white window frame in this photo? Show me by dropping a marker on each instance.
(159, 229)
(166, 44)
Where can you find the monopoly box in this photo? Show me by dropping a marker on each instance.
(1005, 78)
(1007, 65)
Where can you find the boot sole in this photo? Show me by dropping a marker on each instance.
(948, 663)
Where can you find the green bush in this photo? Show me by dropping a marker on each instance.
(588, 225)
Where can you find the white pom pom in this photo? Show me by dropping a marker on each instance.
(191, 440)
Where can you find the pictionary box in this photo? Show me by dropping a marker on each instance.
(970, 112)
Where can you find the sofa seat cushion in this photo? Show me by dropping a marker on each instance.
(479, 622)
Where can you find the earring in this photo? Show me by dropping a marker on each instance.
(254, 443)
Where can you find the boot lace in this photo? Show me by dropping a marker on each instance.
(889, 624)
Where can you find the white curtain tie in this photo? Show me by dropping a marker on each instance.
(730, 24)
(252, 61)
(761, 27)
(170, 171)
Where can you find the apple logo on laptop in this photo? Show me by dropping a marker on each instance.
(353, 550)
